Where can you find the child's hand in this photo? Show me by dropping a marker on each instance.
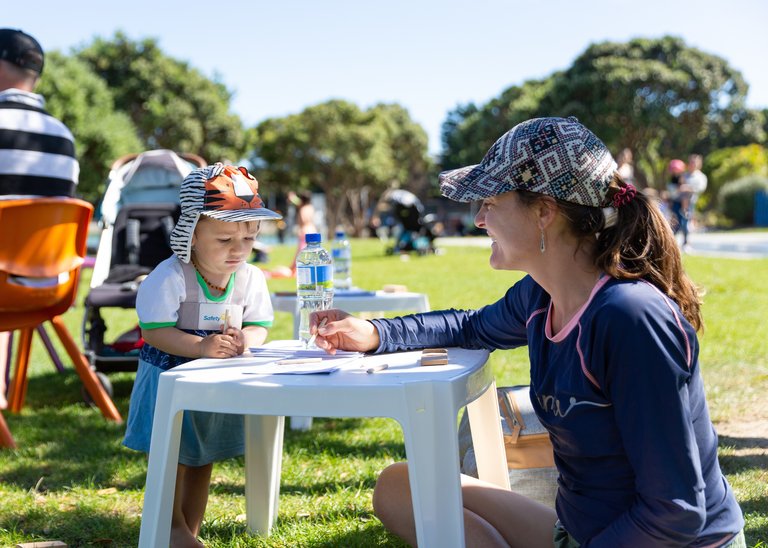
(220, 345)
(238, 337)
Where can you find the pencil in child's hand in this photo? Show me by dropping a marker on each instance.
(226, 321)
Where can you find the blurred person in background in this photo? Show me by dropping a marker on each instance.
(697, 183)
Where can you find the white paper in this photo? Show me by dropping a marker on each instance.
(273, 354)
(327, 365)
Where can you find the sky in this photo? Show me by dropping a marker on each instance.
(282, 56)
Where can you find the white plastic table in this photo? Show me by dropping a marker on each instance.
(424, 400)
(380, 301)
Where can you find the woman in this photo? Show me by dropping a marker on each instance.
(610, 320)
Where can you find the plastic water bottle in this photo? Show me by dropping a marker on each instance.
(342, 261)
(314, 282)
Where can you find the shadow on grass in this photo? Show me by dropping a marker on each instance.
(80, 526)
(64, 442)
(734, 464)
(56, 390)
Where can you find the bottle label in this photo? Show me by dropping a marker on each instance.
(341, 253)
(312, 276)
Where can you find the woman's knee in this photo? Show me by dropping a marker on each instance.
(392, 492)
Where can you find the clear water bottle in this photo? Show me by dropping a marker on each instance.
(314, 282)
(342, 261)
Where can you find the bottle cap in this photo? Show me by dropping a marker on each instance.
(340, 234)
(313, 238)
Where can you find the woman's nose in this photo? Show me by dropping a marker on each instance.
(480, 218)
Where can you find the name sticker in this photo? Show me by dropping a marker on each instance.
(212, 316)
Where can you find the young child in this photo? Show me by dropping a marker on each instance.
(205, 301)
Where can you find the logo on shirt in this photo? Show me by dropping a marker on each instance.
(551, 404)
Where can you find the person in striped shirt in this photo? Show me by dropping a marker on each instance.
(37, 151)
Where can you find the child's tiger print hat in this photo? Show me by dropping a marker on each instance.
(222, 192)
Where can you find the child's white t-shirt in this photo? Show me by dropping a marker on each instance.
(163, 290)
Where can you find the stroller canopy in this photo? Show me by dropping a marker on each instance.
(405, 206)
(150, 177)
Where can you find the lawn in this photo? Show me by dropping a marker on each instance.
(71, 479)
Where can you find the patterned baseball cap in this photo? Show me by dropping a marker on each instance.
(221, 192)
(21, 49)
(558, 157)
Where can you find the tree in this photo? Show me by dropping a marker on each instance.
(728, 164)
(470, 131)
(408, 143)
(80, 99)
(658, 97)
(173, 105)
(347, 153)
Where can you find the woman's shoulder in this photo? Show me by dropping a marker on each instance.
(527, 293)
(631, 300)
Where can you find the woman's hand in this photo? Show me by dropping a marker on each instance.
(343, 332)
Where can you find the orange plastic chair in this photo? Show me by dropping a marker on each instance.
(42, 249)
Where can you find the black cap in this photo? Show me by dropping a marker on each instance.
(21, 49)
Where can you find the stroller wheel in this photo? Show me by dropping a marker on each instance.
(105, 383)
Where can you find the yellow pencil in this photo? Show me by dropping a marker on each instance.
(226, 321)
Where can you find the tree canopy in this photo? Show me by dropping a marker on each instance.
(171, 104)
(349, 154)
(658, 97)
(81, 100)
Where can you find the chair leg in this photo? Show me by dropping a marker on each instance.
(50, 348)
(18, 390)
(6, 340)
(6, 439)
(83, 369)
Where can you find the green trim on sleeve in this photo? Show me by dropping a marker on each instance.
(156, 325)
(260, 324)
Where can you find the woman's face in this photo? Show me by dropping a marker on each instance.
(220, 247)
(515, 237)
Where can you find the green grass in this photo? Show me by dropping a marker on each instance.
(71, 479)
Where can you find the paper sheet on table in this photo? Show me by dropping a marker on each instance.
(278, 353)
(328, 364)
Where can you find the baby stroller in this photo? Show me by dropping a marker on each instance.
(413, 231)
(138, 212)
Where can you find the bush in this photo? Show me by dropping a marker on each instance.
(737, 198)
(730, 164)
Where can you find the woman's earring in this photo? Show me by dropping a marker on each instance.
(542, 246)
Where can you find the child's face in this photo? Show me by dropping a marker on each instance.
(221, 246)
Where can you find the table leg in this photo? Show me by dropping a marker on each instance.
(263, 464)
(488, 438)
(432, 448)
(302, 424)
(161, 470)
